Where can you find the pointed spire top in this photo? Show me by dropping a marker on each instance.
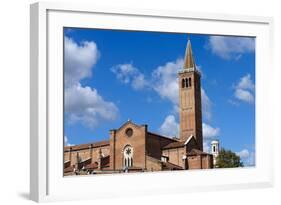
(188, 60)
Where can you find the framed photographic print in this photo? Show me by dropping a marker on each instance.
(120, 97)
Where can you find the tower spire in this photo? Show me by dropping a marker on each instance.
(189, 60)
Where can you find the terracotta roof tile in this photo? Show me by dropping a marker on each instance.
(86, 146)
(174, 145)
(68, 169)
(95, 165)
(105, 161)
(161, 136)
(92, 166)
(171, 166)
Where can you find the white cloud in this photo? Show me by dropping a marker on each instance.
(83, 104)
(228, 47)
(210, 132)
(251, 161)
(233, 102)
(244, 95)
(244, 90)
(169, 127)
(247, 157)
(243, 153)
(124, 72)
(128, 74)
(79, 60)
(66, 142)
(206, 105)
(165, 81)
(139, 82)
(246, 83)
(206, 146)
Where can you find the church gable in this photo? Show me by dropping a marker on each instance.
(128, 146)
(129, 123)
(130, 132)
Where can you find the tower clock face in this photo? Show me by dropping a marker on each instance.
(128, 151)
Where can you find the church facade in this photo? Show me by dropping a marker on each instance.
(133, 148)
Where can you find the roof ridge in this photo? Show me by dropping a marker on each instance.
(83, 146)
(153, 133)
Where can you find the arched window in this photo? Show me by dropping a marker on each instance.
(128, 156)
(189, 82)
(182, 83)
(186, 83)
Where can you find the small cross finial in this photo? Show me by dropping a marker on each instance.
(188, 36)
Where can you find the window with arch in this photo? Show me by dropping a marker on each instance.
(186, 83)
(128, 154)
(189, 80)
(183, 83)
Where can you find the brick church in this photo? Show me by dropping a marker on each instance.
(133, 148)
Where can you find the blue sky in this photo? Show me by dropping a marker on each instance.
(112, 76)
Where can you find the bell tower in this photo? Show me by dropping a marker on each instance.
(190, 99)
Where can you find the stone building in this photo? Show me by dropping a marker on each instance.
(133, 148)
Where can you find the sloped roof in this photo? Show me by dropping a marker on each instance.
(161, 136)
(188, 139)
(174, 145)
(104, 163)
(86, 146)
(68, 169)
(92, 166)
(131, 123)
(197, 152)
(177, 144)
(171, 166)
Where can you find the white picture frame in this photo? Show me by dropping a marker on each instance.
(46, 139)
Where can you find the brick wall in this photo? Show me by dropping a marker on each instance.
(200, 162)
(119, 140)
(154, 144)
(86, 154)
(153, 164)
(175, 155)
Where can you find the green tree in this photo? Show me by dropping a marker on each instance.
(228, 159)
